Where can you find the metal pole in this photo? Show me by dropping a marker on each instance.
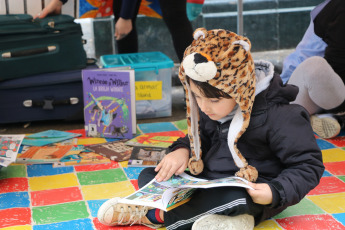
(240, 17)
(7, 7)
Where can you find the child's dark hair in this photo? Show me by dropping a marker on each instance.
(208, 90)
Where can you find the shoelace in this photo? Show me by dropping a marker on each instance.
(135, 215)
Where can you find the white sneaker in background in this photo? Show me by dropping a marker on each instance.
(325, 125)
(220, 222)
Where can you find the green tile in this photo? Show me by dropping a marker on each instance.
(101, 177)
(13, 171)
(341, 178)
(181, 124)
(60, 212)
(305, 207)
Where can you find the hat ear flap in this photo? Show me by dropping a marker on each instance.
(244, 44)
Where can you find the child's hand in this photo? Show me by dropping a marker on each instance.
(261, 194)
(173, 163)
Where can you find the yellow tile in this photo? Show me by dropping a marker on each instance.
(107, 191)
(53, 182)
(268, 225)
(124, 164)
(24, 227)
(331, 203)
(333, 155)
(91, 141)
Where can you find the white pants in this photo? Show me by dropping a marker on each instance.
(320, 88)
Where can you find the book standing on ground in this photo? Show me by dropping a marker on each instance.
(143, 156)
(9, 147)
(109, 103)
(169, 194)
(48, 137)
(115, 150)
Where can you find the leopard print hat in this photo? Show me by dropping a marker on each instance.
(222, 59)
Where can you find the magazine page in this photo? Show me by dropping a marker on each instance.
(9, 147)
(188, 181)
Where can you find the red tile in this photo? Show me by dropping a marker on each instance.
(84, 168)
(55, 196)
(135, 184)
(15, 217)
(310, 222)
(336, 168)
(100, 226)
(328, 185)
(17, 184)
(338, 141)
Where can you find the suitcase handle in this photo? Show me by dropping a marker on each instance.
(28, 52)
(49, 103)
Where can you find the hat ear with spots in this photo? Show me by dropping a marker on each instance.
(222, 59)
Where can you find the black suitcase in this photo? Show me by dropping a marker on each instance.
(30, 47)
(50, 96)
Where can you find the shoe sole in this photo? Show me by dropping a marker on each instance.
(325, 127)
(104, 208)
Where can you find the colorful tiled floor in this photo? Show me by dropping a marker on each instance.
(41, 197)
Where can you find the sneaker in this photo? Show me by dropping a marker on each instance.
(325, 125)
(113, 213)
(216, 222)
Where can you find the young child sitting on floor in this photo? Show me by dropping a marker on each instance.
(240, 123)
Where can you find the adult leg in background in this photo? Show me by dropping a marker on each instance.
(320, 88)
(128, 44)
(175, 17)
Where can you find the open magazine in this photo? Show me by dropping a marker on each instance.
(169, 194)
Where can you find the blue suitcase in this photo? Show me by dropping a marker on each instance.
(49, 96)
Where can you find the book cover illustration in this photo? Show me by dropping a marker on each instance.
(43, 154)
(177, 190)
(109, 103)
(143, 156)
(156, 139)
(115, 150)
(48, 137)
(9, 147)
(78, 155)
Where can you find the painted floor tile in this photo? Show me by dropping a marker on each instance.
(13, 171)
(46, 170)
(324, 144)
(13, 185)
(328, 185)
(305, 207)
(83, 168)
(84, 224)
(331, 203)
(268, 225)
(24, 227)
(335, 168)
(338, 141)
(59, 213)
(15, 216)
(55, 196)
(311, 222)
(101, 176)
(157, 127)
(14, 200)
(333, 155)
(107, 191)
(53, 182)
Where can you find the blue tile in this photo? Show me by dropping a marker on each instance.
(325, 174)
(84, 224)
(133, 172)
(157, 127)
(323, 144)
(94, 206)
(340, 217)
(47, 170)
(14, 200)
